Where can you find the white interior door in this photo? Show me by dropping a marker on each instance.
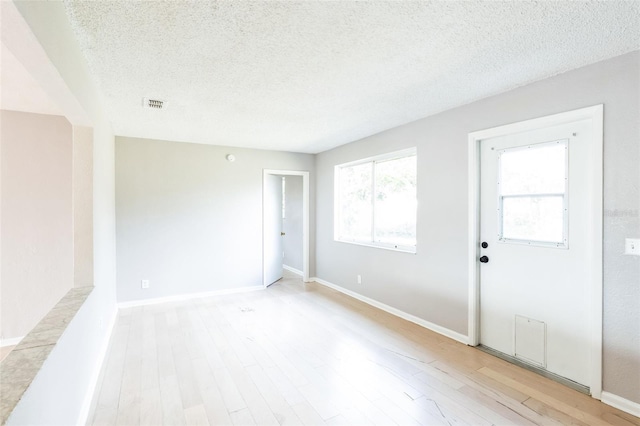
(534, 233)
(272, 229)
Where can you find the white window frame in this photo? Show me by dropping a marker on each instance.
(565, 199)
(338, 196)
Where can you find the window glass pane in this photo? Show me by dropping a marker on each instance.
(533, 218)
(355, 202)
(395, 202)
(536, 170)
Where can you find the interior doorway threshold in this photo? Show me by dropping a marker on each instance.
(549, 375)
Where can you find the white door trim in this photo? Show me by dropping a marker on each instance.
(305, 214)
(595, 115)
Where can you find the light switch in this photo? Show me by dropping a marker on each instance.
(632, 246)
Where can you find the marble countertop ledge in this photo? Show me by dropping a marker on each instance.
(23, 363)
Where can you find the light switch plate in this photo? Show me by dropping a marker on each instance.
(632, 246)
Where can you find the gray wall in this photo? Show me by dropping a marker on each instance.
(432, 284)
(37, 221)
(292, 224)
(187, 219)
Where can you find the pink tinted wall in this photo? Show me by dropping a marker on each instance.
(36, 218)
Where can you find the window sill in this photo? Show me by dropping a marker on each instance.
(23, 363)
(390, 247)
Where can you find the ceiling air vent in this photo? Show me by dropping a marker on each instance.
(152, 103)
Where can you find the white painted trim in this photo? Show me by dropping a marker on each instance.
(93, 390)
(12, 341)
(188, 296)
(595, 115)
(22, 42)
(397, 312)
(305, 214)
(473, 246)
(621, 403)
(294, 270)
(379, 245)
(596, 213)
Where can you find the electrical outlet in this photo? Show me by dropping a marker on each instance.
(144, 284)
(632, 246)
(359, 279)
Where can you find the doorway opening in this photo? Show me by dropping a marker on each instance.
(285, 224)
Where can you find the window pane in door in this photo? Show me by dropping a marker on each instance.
(395, 203)
(355, 202)
(538, 169)
(533, 218)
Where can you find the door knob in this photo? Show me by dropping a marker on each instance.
(282, 234)
(484, 259)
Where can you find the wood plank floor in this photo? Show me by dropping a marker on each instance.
(304, 354)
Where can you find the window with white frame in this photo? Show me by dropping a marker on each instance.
(376, 201)
(532, 191)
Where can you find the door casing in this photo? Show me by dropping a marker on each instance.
(594, 115)
(305, 214)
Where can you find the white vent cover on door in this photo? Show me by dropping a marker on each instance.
(152, 103)
(531, 341)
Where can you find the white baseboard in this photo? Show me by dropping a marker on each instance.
(83, 418)
(621, 403)
(294, 270)
(180, 297)
(397, 312)
(10, 342)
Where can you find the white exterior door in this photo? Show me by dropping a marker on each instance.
(534, 234)
(272, 229)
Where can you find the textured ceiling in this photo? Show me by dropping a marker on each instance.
(307, 76)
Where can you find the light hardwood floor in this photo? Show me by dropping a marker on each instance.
(304, 354)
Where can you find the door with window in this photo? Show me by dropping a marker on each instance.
(534, 208)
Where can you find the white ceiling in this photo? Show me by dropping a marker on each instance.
(307, 76)
(19, 91)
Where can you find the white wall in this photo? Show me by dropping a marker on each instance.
(432, 284)
(188, 220)
(37, 223)
(61, 392)
(292, 223)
